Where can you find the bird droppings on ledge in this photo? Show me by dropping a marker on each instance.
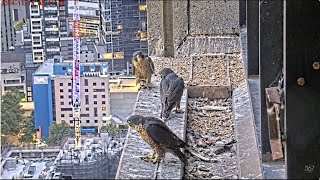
(131, 166)
(210, 133)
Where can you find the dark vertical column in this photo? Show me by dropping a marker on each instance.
(242, 13)
(271, 58)
(168, 28)
(253, 37)
(302, 97)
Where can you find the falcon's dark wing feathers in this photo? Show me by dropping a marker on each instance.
(173, 87)
(151, 64)
(162, 135)
(167, 81)
(161, 87)
(175, 90)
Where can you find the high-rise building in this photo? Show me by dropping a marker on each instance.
(123, 30)
(52, 92)
(55, 26)
(47, 23)
(11, 15)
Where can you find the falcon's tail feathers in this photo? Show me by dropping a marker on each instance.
(200, 156)
(181, 156)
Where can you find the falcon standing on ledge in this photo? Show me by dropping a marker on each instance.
(143, 68)
(171, 91)
(158, 135)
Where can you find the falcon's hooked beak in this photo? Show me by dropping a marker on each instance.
(131, 125)
(135, 121)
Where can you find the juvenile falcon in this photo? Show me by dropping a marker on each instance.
(161, 139)
(143, 68)
(171, 91)
(158, 135)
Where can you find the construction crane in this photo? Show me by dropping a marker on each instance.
(76, 76)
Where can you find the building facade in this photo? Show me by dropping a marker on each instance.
(13, 75)
(11, 15)
(52, 87)
(123, 30)
(47, 23)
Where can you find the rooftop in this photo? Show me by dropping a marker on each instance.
(12, 56)
(100, 49)
(45, 68)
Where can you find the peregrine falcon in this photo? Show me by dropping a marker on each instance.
(158, 135)
(171, 91)
(143, 68)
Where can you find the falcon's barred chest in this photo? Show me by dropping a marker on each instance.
(144, 135)
(144, 68)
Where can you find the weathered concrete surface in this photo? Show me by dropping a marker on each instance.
(200, 69)
(211, 92)
(209, 44)
(157, 24)
(131, 166)
(214, 17)
(274, 170)
(255, 98)
(155, 28)
(210, 70)
(209, 17)
(180, 21)
(248, 154)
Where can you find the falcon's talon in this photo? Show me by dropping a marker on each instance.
(155, 160)
(146, 158)
(163, 119)
(172, 161)
(151, 155)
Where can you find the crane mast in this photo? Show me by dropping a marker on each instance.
(76, 76)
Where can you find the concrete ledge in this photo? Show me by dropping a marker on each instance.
(247, 146)
(130, 165)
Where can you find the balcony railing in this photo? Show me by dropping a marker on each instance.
(50, 8)
(52, 39)
(51, 18)
(52, 29)
(53, 49)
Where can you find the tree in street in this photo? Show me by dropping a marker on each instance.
(109, 129)
(28, 130)
(11, 113)
(57, 133)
